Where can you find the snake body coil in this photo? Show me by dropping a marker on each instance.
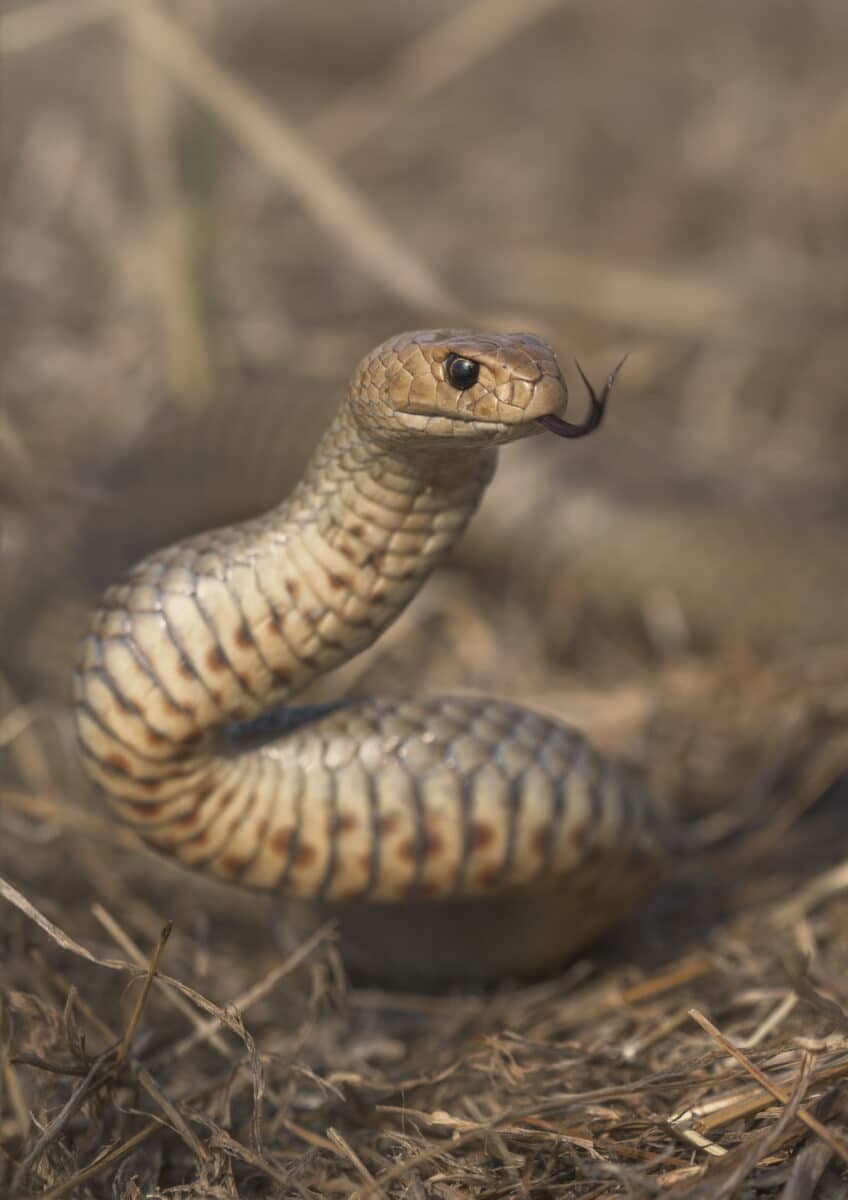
(452, 836)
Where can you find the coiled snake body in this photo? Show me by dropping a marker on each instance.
(453, 837)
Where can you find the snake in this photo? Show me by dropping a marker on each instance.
(452, 837)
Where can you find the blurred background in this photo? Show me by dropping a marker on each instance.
(210, 211)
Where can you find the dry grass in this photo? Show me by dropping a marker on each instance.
(213, 209)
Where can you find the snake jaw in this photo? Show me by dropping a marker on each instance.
(569, 429)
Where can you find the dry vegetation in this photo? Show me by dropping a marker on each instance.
(209, 211)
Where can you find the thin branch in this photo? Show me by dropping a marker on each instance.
(330, 199)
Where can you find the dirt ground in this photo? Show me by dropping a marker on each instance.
(210, 211)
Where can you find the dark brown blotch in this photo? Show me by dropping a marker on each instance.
(433, 844)
(343, 822)
(185, 668)
(429, 847)
(305, 856)
(154, 738)
(216, 660)
(357, 530)
(388, 824)
(281, 840)
(244, 636)
(146, 810)
(482, 835)
(203, 793)
(293, 588)
(281, 677)
(117, 762)
(337, 582)
(233, 865)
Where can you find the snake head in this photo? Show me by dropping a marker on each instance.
(461, 386)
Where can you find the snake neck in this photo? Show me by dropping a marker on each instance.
(359, 535)
(227, 625)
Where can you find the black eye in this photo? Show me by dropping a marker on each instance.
(463, 373)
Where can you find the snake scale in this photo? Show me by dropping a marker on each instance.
(452, 837)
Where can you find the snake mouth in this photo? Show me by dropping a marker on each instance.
(462, 429)
(466, 420)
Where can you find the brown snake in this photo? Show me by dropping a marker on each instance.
(453, 837)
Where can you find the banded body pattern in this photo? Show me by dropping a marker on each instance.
(376, 799)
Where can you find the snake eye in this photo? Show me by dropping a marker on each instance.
(463, 373)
